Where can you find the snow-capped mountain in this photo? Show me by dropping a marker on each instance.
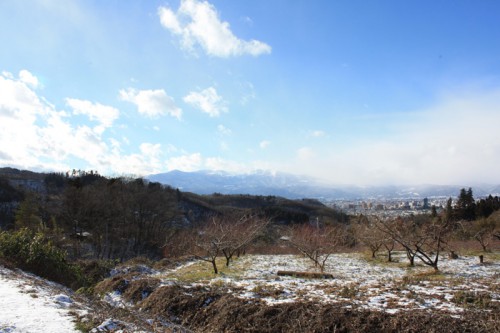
(293, 186)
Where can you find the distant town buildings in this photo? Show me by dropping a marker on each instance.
(388, 207)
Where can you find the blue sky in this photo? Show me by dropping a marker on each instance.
(351, 92)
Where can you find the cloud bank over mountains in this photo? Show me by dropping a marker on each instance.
(442, 145)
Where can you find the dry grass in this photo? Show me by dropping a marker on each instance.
(202, 271)
(207, 310)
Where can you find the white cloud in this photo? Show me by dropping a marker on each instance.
(17, 100)
(104, 114)
(8, 75)
(191, 162)
(195, 161)
(34, 135)
(207, 101)
(218, 164)
(197, 22)
(149, 149)
(264, 144)
(20, 108)
(151, 103)
(28, 78)
(305, 154)
(169, 20)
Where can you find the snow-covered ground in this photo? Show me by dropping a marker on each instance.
(31, 304)
(370, 284)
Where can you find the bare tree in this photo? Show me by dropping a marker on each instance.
(423, 238)
(224, 237)
(315, 242)
(481, 230)
(366, 233)
(389, 245)
(240, 233)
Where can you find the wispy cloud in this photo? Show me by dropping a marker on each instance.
(317, 134)
(207, 101)
(151, 103)
(264, 144)
(223, 130)
(198, 23)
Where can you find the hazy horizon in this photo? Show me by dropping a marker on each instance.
(353, 93)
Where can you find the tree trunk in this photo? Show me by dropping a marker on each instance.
(214, 264)
(484, 246)
(411, 258)
(228, 256)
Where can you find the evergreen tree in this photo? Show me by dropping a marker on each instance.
(433, 211)
(466, 206)
(449, 210)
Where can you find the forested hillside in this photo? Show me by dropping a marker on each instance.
(92, 216)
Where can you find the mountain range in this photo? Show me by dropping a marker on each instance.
(294, 187)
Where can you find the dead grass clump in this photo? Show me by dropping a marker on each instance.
(475, 299)
(171, 263)
(307, 275)
(7, 264)
(349, 291)
(138, 290)
(267, 291)
(135, 261)
(116, 283)
(209, 310)
(176, 303)
(427, 275)
(133, 289)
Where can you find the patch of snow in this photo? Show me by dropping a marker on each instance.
(115, 299)
(109, 325)
(24, 308)
(64, 301)
(373, 285)
(141, 269)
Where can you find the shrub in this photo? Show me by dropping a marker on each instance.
(32, 252)
(94, 270)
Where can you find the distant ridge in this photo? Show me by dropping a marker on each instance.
(295, 187)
